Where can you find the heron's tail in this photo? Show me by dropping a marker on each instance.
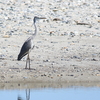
(19, 57)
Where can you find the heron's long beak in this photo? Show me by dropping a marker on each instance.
(39, 18)
(42, 17)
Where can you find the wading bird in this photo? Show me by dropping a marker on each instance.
(28, 44)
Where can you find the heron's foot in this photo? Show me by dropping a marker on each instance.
(26, 68)
(29, 68)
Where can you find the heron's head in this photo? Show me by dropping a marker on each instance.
(37, 18)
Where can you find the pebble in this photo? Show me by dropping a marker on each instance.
(94, 59)
(97, 74)
(25, 77)
(70, 75)
(46, 60)
(6, 36)
(23, 14)
(75, 57)
(2, 77)
(43, 75)
(71, 34)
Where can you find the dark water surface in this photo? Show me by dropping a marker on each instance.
(52, 93)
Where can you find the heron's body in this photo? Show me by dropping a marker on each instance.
(28, 44)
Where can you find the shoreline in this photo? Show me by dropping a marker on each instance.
(56, 85)
(67, 46)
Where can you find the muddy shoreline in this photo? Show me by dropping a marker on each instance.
(67, 46)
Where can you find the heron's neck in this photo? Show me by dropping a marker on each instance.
(35, 32)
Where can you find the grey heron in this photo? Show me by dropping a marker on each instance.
(28, 44)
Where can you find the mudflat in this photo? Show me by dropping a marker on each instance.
(67, 45)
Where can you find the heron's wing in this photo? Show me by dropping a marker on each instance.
(25, 49)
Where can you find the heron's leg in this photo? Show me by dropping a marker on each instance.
(26, 63)
(29, 63)
(28, 58)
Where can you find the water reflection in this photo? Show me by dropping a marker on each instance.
(72, 93)
(50, 91)
(19, 98)
(27, 95)
(68, 93)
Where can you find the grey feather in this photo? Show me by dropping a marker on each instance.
(25, 49)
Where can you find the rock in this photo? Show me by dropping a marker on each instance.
(46, 60)
(6, 36)
(2, 77)
(94, 59)
(56, 19)
(43, 75)
(76, 57)
(71, 34)
(70, 75)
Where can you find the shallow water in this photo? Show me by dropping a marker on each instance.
(71, 93)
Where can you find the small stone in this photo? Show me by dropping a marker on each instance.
(71, 75)
(98, 21)
(81, 74)
(93, 45)
(94, 59)
(58, 75)
(25, 77)
(6, 36)
(11, 77)
(18, 84)
(61, 75)
(56, 19)
(72, 34)
(55, 10)
(97, 74)
(45, 60)
(2, 77)
(44, 75)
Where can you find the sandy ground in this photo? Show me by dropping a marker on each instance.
(65, 50)
(60, 59)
